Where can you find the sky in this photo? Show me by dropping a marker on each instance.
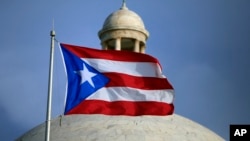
(202, 45)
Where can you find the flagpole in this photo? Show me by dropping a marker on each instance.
(49, 100)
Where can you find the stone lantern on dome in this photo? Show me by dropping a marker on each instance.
(123, 30)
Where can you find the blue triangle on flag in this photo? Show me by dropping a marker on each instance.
(83, 79)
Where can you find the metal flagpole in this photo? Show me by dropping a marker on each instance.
(49, 100)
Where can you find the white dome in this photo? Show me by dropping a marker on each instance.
(123, 19)
(122, 128)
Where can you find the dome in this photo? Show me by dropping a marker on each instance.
(122, 128)
(123, 19)
(123, 30)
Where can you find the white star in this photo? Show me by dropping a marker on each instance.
(86, 75)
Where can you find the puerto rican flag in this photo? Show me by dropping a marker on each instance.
(115, 83)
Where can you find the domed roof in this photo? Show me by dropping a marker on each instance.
(124, 19)
(121, 128)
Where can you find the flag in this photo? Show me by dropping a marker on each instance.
(115, 83)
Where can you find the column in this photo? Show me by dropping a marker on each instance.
(104, 46)
(118, 44)
(137, 46)
(142, 49)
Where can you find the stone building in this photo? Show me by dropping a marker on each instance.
(122, 30)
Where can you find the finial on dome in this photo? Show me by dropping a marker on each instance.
(124, 5)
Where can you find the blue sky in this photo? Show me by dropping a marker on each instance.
(203, 46)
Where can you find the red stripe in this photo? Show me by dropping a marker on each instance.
(146, 83)
(84, 52)
(122, 108)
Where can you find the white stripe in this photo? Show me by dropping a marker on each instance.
(146, 69)
(132, 94)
